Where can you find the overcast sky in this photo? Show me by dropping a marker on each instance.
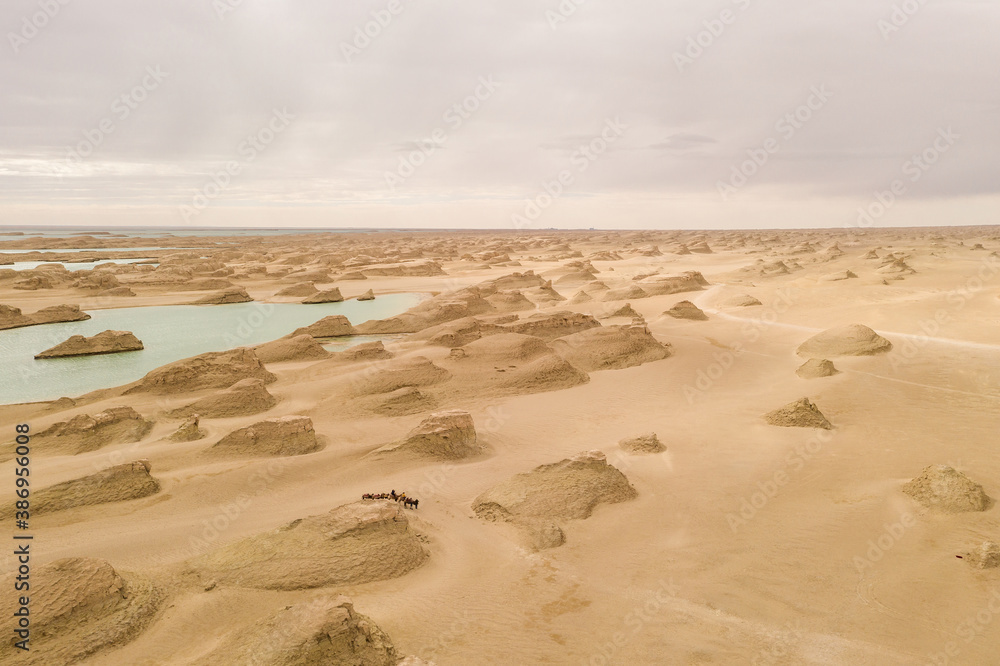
(456, 114)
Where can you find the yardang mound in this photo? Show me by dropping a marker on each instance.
(225, 297)
(986, 556)
(815, 368)
(82, 433)
(283, 436)
(448, 435)
(851, 340)
(799, 414)
(244, 398)
(120, 483)
(686, 310)
(11, 317)
(648, 443)
(106, 342)
(79, 606)
(610, 348)
(327, 327)
(946, 489)
(211, 370)
(300, 348)
(353, 544)
(565, 490)
(326, 630)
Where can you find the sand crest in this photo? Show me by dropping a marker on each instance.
(355, 543)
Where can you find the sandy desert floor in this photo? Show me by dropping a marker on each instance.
(740, 542)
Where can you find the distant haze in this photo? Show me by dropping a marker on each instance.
(520, 114)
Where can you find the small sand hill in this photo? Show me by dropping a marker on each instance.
(105, 342)
(686, 310)
(189, 430)
(79, 607)
(244, 398)
(815, 368)
(611, 348)
(648, 443)
(120, 483)
(552, 325)
(333, 326)
(544, 295)
(448, 435)
(300, 348)
(566, 490)
(327, 296)
(225, 297)
(510, 301)
(325, 630)
(575, 278)
(395, 374)
(799, 414)
(836, 277)
(661, 285)
(740, 301)
(632, 292)
(205, 371)
(946, 489)
(624, 311)
(510, 364)
(407, 400)
(82, 433)
(581, 297)
(353, 544)
(851, 340)
(984, 556)
(282, 436)
(300, 289)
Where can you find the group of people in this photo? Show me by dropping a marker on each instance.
(408, 502)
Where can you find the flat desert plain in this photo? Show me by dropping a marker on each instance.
(646, 447)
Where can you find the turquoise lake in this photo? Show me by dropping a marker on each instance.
(168, 333)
